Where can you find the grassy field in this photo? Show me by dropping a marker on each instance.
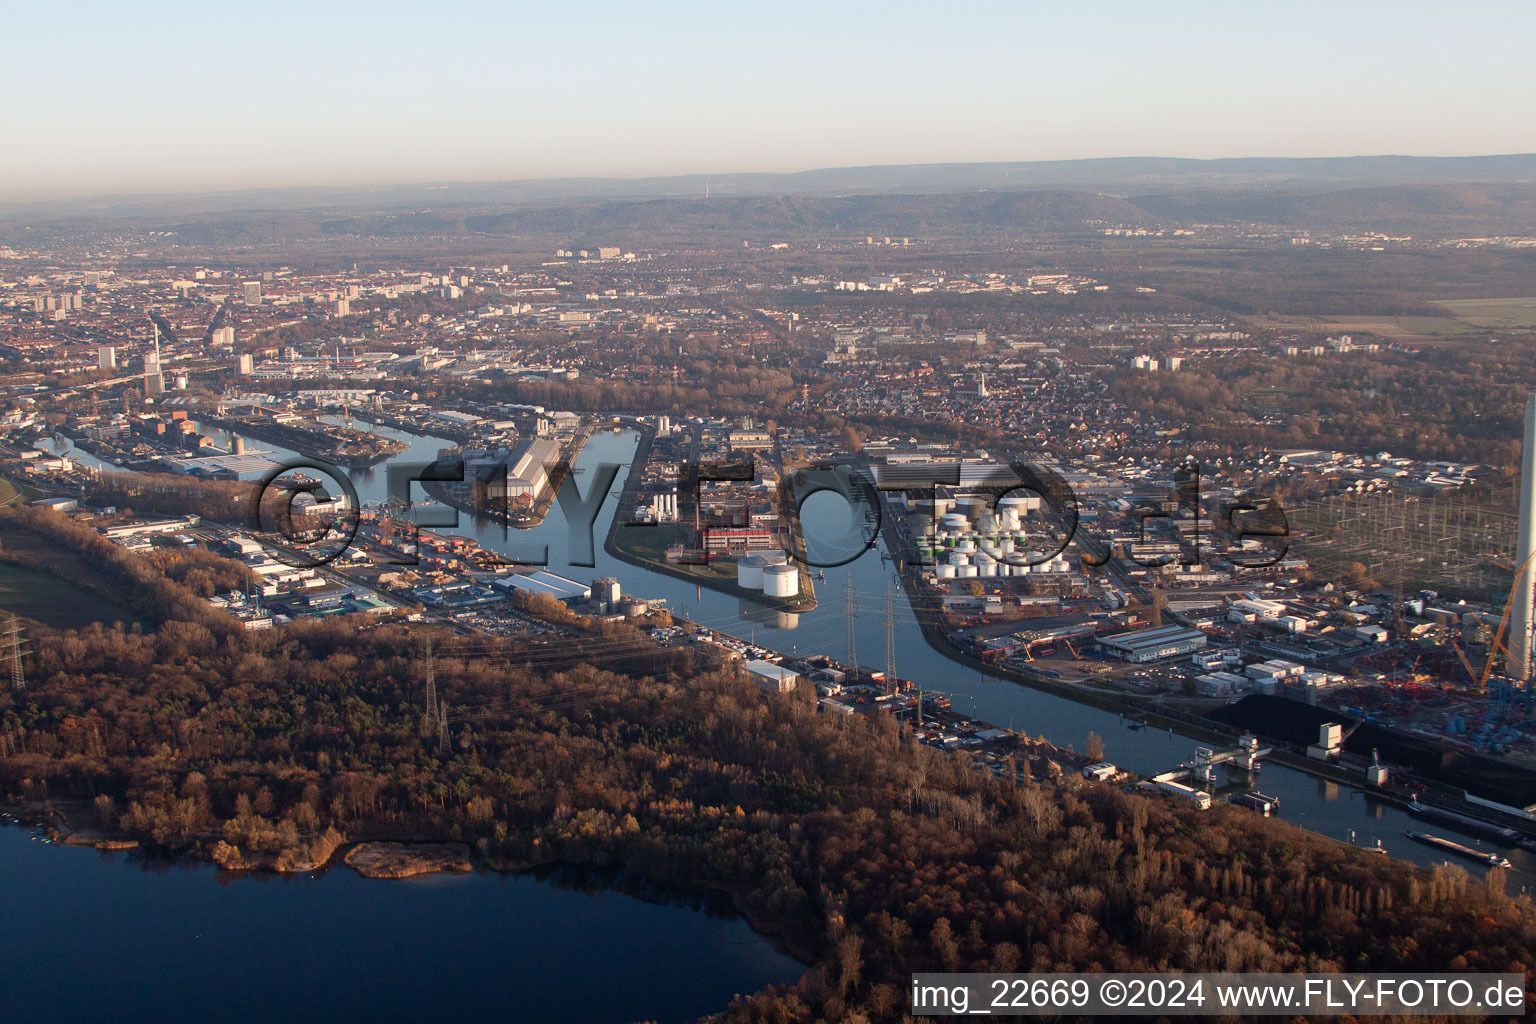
(650, 543)
(1392, 328)
(55, 602)
(1499, 314)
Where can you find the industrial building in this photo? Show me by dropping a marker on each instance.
(1151, 644)
(541, 582)
(771, 678)
(526, 476)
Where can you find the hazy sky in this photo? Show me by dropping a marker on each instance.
(149, 96)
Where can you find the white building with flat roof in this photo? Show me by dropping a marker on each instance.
(771, 678)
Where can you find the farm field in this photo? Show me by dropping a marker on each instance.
(1499, 314)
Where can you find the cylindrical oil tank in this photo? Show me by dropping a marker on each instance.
(749, 573)
(781, 580)
(1019, 502)
(971, 506)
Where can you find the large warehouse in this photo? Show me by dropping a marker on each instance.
(1152, 644)
(542, 582)
(526, 476)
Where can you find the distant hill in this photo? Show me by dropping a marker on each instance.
(1121, 176)
(1448, 209)
(1438, 196)
(895, 215)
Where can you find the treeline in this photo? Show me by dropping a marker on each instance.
(167, 494)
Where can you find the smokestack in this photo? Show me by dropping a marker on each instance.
(1520, 613)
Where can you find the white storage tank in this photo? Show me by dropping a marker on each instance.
(749, 573)
(986, 565)
(965, 572)
(944, 571)
(954, 521)
(971, 506)
(1018, 502)
(750, 569)
(781, 580)
(966, 545)
(959, 558)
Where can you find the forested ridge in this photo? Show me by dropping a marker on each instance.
(870, 856)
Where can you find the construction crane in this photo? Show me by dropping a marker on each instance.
(1472, 674)
(1497, 643)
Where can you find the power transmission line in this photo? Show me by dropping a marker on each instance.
(852, 640)
(431, 695)
(13, 641)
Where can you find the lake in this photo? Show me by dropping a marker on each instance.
(132, 938)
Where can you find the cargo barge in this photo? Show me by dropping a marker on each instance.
(1491, 859)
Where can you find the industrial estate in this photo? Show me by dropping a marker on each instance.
(971, 569)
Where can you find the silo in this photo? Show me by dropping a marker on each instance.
(781, 580)
(749, 572)
(1019, 502)
(971, 505)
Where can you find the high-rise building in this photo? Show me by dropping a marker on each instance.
(224, 336)
(106, 357)
(343, 307)
(1520, 612)
(245, 364)
(253, 293)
